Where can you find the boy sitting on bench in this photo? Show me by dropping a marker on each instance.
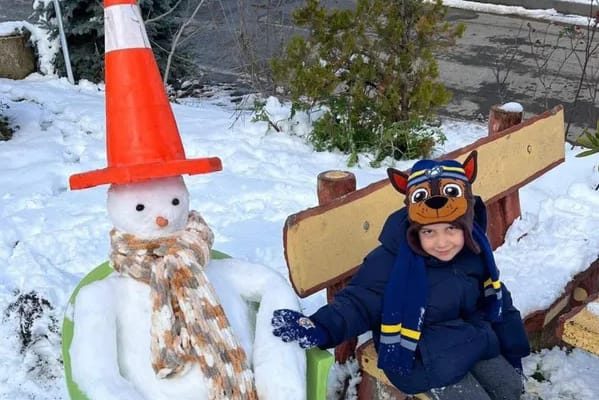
(441, 320)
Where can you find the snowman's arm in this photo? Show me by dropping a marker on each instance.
(260, 284)
(94, 348)
(253, 281)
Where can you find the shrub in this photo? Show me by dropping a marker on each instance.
(590, 140)
(373, 70)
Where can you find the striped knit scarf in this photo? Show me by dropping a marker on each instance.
(404, 304)
(188, 323)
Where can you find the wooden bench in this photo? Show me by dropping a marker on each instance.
(580, 327)
(325, 245)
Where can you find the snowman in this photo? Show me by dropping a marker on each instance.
(168, 321)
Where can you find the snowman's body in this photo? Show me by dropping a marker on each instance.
(112, 320)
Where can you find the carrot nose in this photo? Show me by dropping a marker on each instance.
(161, 221)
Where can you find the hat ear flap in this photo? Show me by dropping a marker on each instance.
(470, 166)
(398, 179)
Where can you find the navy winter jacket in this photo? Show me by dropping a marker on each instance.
(455, 335)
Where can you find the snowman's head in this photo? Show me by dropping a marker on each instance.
(149, 209)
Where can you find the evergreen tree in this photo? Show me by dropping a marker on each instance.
(373, 69)
(83, 22)
(590, 140)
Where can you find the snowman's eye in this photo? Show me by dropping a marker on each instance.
(140, 207)
(175, 201)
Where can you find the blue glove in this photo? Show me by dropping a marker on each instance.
(291, 326)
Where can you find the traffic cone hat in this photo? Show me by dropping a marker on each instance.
(142, 139)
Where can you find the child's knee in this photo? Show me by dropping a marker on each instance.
(499, 379)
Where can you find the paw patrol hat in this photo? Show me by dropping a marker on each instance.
(438, 192)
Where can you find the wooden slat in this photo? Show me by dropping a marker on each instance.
(580, 328)
(327, 242)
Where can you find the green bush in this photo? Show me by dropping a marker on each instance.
(399, 140)
(590, 140)
(373, 71)
(83, 21)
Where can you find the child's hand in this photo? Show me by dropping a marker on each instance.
(291, 325)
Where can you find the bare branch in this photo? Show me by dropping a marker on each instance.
(152, 20)
(178, 37)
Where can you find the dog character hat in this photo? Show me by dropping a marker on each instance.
(438, 192)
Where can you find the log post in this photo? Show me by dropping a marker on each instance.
(502, 212)
(332, 185)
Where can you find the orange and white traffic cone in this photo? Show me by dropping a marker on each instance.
(142, 139)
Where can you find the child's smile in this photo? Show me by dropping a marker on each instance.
(442, 241)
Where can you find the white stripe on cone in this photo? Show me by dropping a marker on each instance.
(124, 28)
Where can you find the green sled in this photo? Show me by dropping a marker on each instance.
(318, 361)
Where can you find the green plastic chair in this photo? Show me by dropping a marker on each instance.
(319, 364)
(318, 361)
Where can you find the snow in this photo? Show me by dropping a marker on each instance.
(570, 376)
(512, 107)
(589, 2)
(538, 14)
(51, 237)
(593, 308)
(541, 264)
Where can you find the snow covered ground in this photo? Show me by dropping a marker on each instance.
(527, 10)
(51, 237)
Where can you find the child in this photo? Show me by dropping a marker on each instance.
(440, 318)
